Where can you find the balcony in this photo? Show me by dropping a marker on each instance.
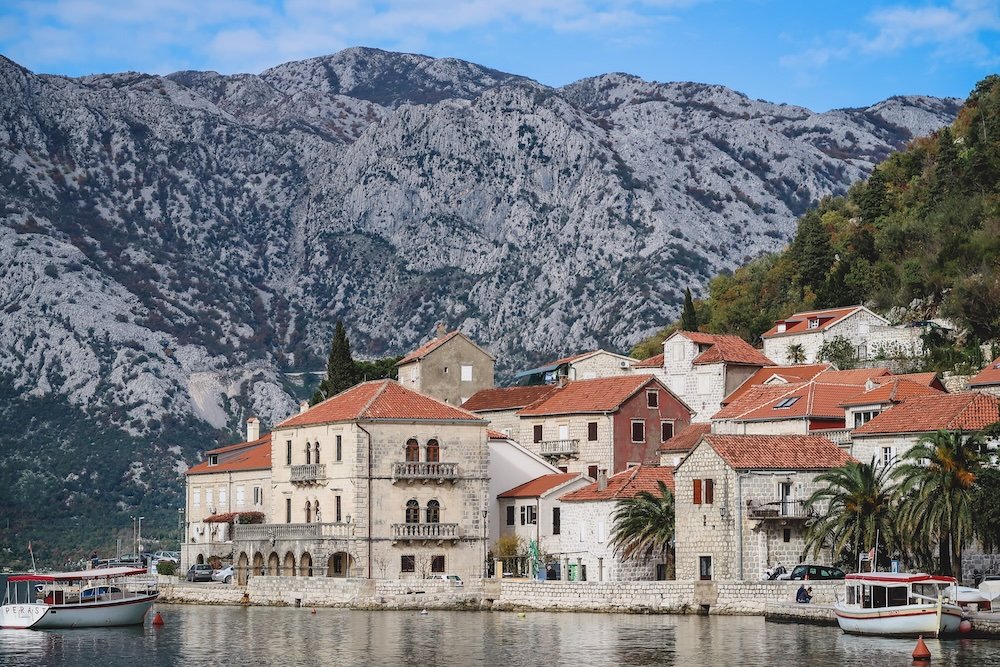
(424, 471)
(425, 531)
(291, 531)
(838, 436)
(311, 473)
(780, 510)
(559, 448)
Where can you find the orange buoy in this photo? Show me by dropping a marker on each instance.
(921, 652)
(965, 627)
(157, 620)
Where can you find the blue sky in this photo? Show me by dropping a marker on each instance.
(816, 54)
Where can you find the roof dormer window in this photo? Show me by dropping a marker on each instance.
(781, 327)
(213, 460)
(814, 323)
(786, 402)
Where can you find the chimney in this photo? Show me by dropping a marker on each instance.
(562, 381)
(602, 479)
(303, 407)
(253, 429)
(441, 330)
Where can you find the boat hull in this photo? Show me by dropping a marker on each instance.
(40, 616)
(904, 621)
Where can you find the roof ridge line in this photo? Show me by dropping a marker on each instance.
(385, 383)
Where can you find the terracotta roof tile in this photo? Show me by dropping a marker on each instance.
(814, 399)
(598, 395)
(506, 398)
(892, 390)
(777, 452)
(732, 350)
(496, 435)
(968, 411)
(254, 456)
(378, 399)
(988, 376)
(799, 322)
(626, 484)
(929, 379)
(685, 441)
(787, 374)
(240, 445)
(852, 376)
(426, 348)
(754, 397)
(656, 361)
(540, 485)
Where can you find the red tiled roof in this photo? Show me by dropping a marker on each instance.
(969, 411)
(789, 374)
(777, 452)
(852, 376)
(929, 379)
(378, 399)
(506, 398)
(427, 348)
(988, 376)
(818, 399)
(256, 455)
(731, 350)
(626, 484)
(656, 361)
(239, 445)
(598, 395)
(799, 322)
(685, 441)
(754, 397)
(496, 435)
(540, 485)
(892, 390)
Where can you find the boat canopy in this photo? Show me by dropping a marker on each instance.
(886, 578)
(81, 575)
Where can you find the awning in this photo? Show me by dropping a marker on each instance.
(536, 371)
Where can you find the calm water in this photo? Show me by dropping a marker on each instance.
(332, 637)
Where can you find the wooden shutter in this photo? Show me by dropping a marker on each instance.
(592, 431)
(697, 492)
(538, 432)
(709, 491)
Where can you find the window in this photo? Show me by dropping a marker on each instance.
(814, 323)
(666, 430)
(433, 511)
(704, 384)
(213, 460)
(564, 432)
(316, 509)
(705, 568)
(888, 456)
(407, 563)
(592, 472)
(337, 507)
(556, 521)
(258, 495)
(781, 327)
(222, 496)
(528, 515)
(678, 351)
(591, 431)
(638, 431)
(510, 515)
(538, 433)
(309, 511)
(196, 498)
(412, 511)
(412, 450)
(697, 492)
(445, 369)
(786, 402)
(786, 535)
(316, 452)
(288, 452)
(308, 453)
(652, 399)
(340, 448)
(466, 373)
(433, 451)
(209, 498)
(288, 510)
(862, 418)
(437, 563)
(563, 468)
(601, 532)
(709, 491)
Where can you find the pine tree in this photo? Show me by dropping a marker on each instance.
(340, 368)
(812, 252)
(873, 201)
(689, 317)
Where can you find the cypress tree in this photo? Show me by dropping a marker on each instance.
(873, 201)
(689, 317)
(812, 252)
(340, 369)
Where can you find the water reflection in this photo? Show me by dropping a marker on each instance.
(331, 637)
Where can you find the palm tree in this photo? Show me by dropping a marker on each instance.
(644, 525)
(796, 353)
(936, 493)
(856, 508)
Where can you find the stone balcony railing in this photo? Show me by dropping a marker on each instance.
(291, 531)
(838, 436)
(559, 447)
(310, 473)
(425, 531)
(779, 509)
(424, 471)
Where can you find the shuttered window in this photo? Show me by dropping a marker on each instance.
(709, 491)
(591, 431)
(697, 492)
(538, 433)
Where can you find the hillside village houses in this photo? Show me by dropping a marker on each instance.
(387, 481)
(583, 366)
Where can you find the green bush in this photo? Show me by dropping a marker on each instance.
(167, 567)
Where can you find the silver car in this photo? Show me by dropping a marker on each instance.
(225, 574)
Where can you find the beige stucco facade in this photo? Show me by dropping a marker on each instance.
(220, 493)
(451, 372)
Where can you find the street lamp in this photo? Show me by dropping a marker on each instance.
(486, 565)
(140, 539)
(350, 531)
(133, 536)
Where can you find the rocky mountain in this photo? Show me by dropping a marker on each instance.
(171, 246)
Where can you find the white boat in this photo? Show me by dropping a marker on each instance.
(86, 599)
(898, 604)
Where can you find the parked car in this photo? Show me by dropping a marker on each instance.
(816, 572)
(199, 572)
(225, 574)
(167, 555)
(453, 578)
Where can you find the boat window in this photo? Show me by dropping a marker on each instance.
(852, 595)
(897, 596)
(878, 597)
(866, 596)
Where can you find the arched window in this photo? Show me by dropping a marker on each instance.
(433, 451)
(412, 511)
(412, 450)
(316, 507)
(308, 453)
(308, 512)
(316, 449)
(433, 511)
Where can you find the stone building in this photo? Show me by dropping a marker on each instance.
(607, 423)
(811, 329)
(451, 368)
(676, 448)
(988, 379)
(499, 406)
(883, 393)
(587, 525)
(583, 366)
(533, 511)
(378, 481)
(739, 502)
(510, 465)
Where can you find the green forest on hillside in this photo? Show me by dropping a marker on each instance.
(920, 238)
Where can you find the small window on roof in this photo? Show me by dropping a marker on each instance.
(213, 460)
(814, 323)
(786, 402)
